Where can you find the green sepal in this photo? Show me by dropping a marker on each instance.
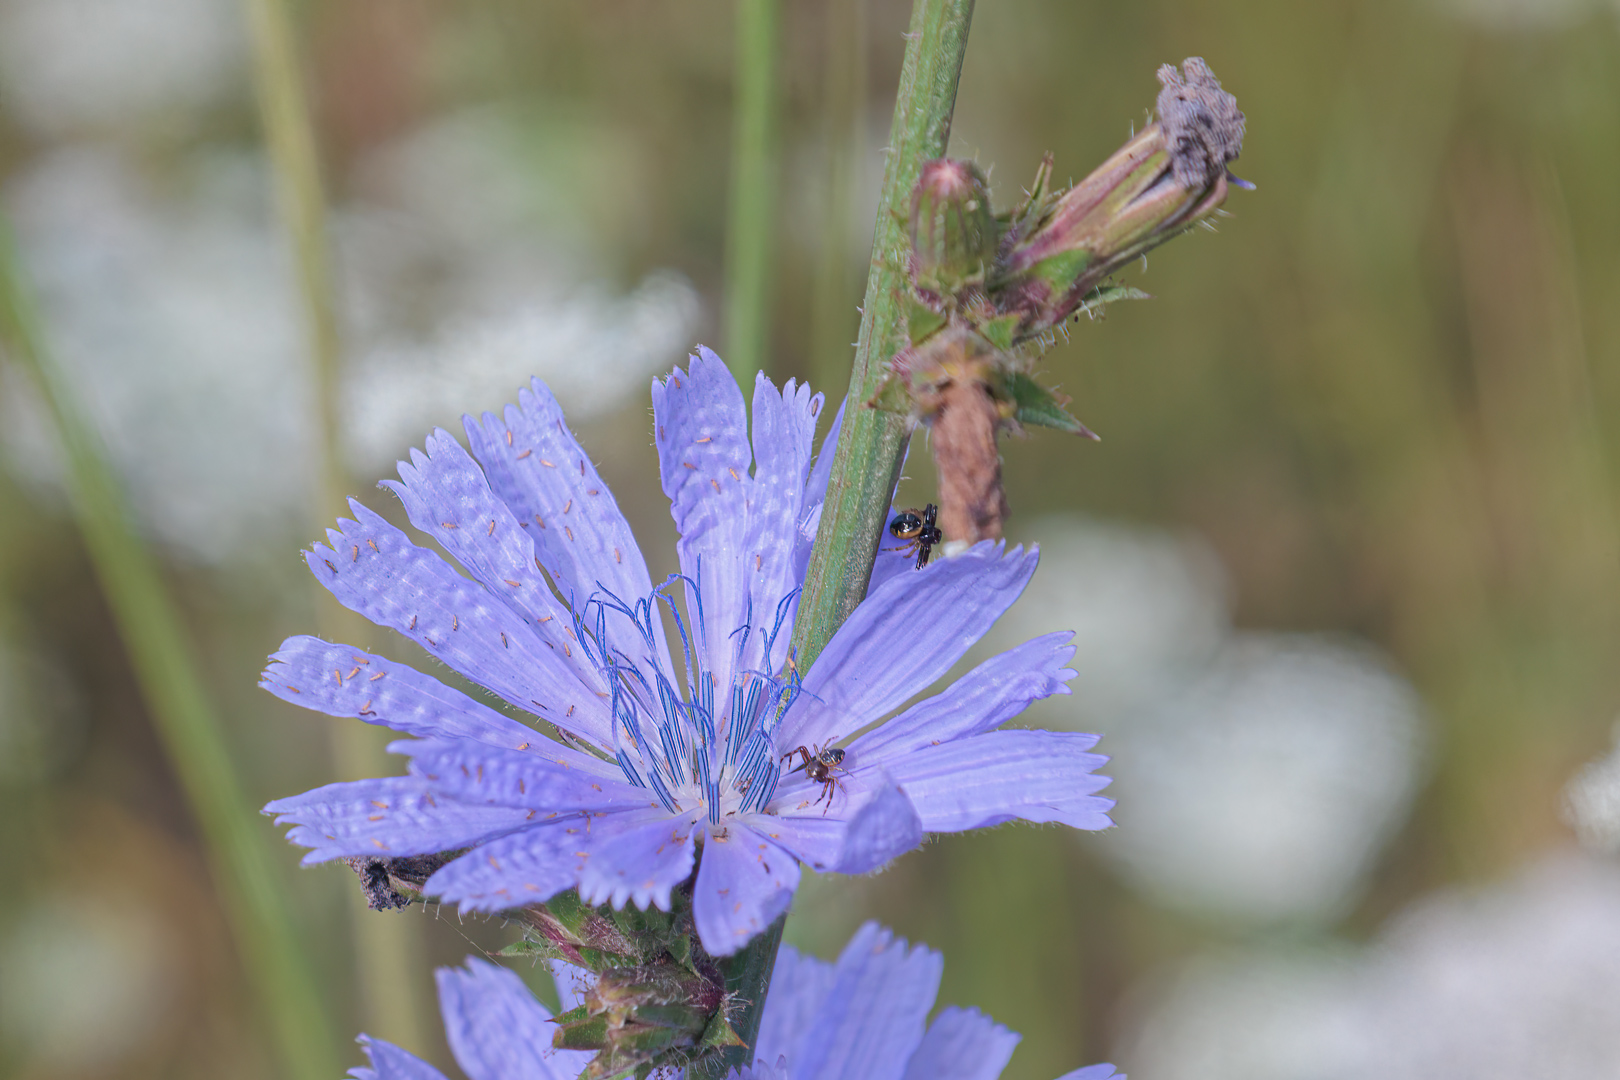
(1036, 204)
(721, 1033)
(1063, 269)
(680, 950)
(1039, 407)
(599, 960)
(923, 321)
(675, 1017)
(647, 929)
(572, 1016)
(568, 914)
(633, 1046)
(1108, 294)
(540, 950)
(586, 1033)
(1002, 331)
(892, 396)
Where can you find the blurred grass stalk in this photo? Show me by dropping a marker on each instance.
(843, 108)
(872, 443)
(236, 837)
(387, 946)
(750, 225)
(870, 447)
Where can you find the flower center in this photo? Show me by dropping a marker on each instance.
(688, 744)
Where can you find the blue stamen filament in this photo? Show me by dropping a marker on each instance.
(678, 760)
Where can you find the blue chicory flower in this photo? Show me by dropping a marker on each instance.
(864, 1017)
(660, 751)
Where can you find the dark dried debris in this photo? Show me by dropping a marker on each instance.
(381, 879)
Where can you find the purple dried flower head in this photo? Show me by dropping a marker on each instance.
(661, 750)
(1203, 127)
(864, 1017)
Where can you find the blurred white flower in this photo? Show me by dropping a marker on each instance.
(84, 981)
(474, 225)
(1148, 609)
(1258, 775)
(1592, 801)
(1261, 1015)
(173, 311)
(1265, 788)
(589, 346)
(177, 324)
(1515, 981)
(100, 66)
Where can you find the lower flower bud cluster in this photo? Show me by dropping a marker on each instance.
(868, 1015)
(658, 1000)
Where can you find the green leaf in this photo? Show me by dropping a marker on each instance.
(1040, 407)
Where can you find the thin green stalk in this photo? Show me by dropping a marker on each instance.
(290, 140)
(236, 839)
(386, 946)
(832, 299)
(871, 445)
(750, 227)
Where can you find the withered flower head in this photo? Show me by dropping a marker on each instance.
(1202, 125)
(1165, 179)
(990, 290)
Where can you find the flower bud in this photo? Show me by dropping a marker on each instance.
(953, 231)
(1165, 179)
(635, 1016)
(657, 999)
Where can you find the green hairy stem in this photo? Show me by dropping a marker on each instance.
(750, 226)
(872, 444)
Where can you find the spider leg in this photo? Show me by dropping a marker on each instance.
(904, 549)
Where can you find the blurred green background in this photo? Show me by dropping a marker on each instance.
(1373, 417)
